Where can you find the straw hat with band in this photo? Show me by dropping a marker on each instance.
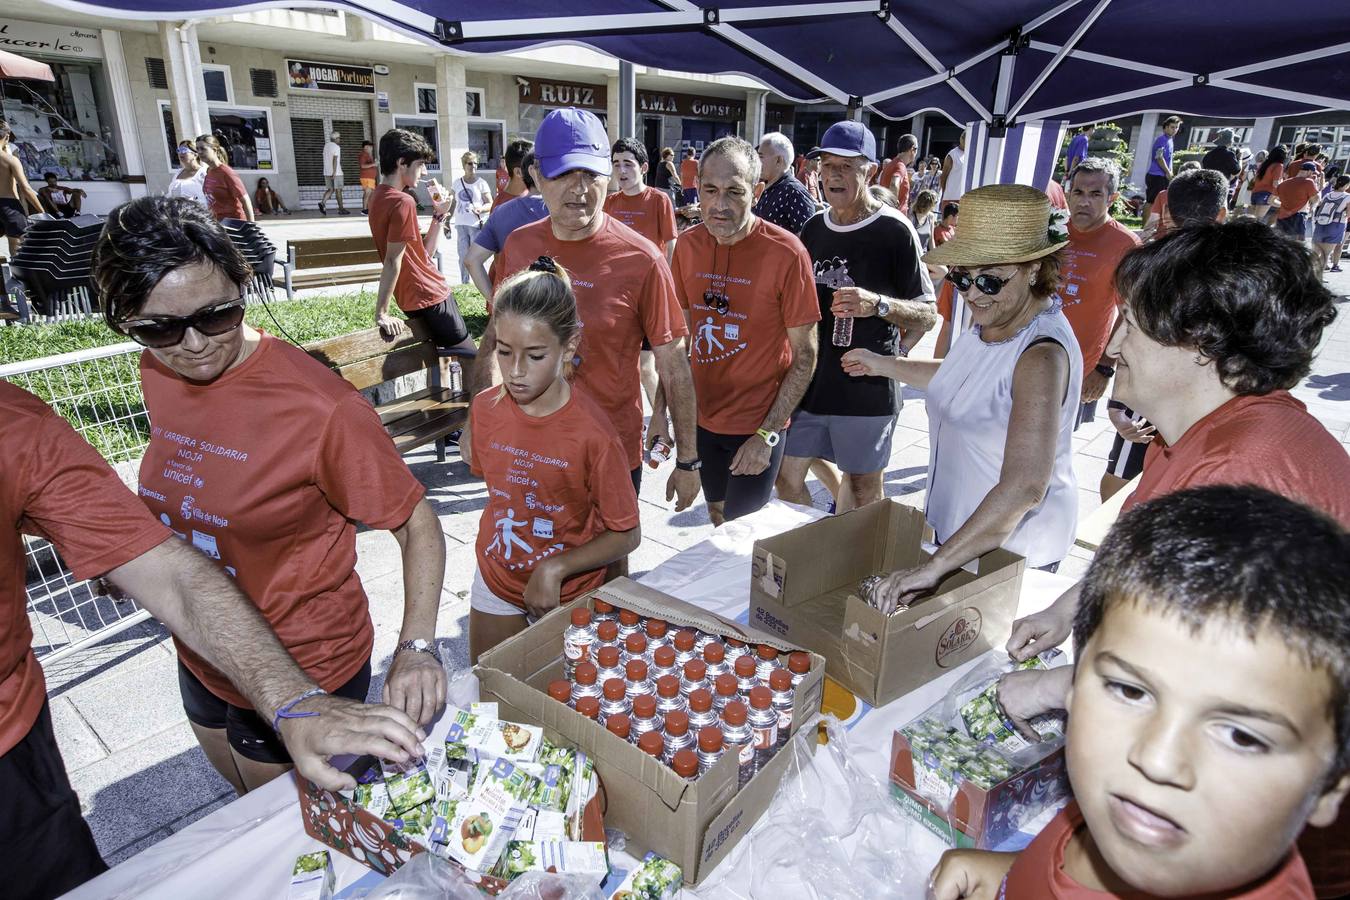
(1002, 224)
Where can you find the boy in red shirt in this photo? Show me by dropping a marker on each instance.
(1207, 722)
(643, 209)
(950, 213)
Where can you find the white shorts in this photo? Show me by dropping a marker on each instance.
(482, 599)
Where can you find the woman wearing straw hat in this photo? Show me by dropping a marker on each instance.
(1002, 404)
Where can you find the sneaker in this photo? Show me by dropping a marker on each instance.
(1335, 268)
(365, 212)
(323, 210)
(344, 212)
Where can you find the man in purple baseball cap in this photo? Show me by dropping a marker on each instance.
(623, 287)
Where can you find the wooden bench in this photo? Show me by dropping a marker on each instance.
(331, 261)
(367, 358)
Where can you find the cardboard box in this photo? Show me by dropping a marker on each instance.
(694, 825)
(977, 817)
(804, 587)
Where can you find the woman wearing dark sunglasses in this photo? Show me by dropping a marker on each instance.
(264, 459)
(1002, 404)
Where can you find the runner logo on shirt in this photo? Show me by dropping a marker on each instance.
(833, 273)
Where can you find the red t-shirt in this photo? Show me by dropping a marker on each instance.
(689, 173)
(942, 234)
(53, 485)
(268, 469)
(393, 218)
(369, 170)
(739, 359)
(1087, 284)
(902, 188)
(624, 292)
(648, 213)
(1038, 872)
(1269, 181)
(1294, 194)
(503, 196)
(1271, 441)
(554, 483)
(224, 192)
(1159, 209)
(889, 171)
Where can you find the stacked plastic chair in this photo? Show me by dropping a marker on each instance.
(53, 265)
(258, 252)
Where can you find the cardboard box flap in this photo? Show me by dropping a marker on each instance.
(626, 593)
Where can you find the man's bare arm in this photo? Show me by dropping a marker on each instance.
(476, 262)
(798, 378)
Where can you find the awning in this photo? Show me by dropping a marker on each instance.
(14, 66)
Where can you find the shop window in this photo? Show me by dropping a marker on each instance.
(63, 126)
(245, 132)
(1335, 140)
(474, 102)
(427, 129)
(426, 99)
(216, 80)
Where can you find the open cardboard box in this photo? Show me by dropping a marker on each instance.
(334, 820)
(804, 586)
(693, 824)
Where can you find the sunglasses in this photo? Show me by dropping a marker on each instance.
(988, 284)
(159, 332)
(717, 301)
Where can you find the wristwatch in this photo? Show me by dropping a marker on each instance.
(419, 645)
(883, 308)
(770, 437)
(1105, 371)
(692, 466)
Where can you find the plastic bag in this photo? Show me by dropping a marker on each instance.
(428, 877)
(831, 832)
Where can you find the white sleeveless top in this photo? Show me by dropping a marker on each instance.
(190, 188)
(969, 408)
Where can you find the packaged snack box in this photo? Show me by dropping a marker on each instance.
(562, 857)
(312, 877)
(408, 785)
(655, 879)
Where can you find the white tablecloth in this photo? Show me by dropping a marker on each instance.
(246, 848)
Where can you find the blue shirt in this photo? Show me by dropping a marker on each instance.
(1162, 142)
(507, 218)
(1078, 151)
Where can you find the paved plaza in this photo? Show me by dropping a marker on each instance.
(119, 720)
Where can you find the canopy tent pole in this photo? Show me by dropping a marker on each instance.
(923, 53)
(1071, 43)
(627, 100)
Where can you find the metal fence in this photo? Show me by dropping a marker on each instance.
(98, 391)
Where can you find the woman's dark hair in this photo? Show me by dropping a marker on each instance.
(1240, 294)
(398, 145)
(1277, 155)
(146, 239)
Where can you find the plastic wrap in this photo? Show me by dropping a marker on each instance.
(427, 877)
(831, 832)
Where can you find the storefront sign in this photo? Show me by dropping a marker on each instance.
(690, 106)
(561, 93)
(320, 76)
(32, 39)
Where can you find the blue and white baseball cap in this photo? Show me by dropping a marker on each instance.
(570, 139)
(849, 138)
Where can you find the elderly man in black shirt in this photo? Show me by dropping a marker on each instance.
(785, 201)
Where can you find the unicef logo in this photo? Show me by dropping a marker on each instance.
(186, 509)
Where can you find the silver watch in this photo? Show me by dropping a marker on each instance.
(883, 308)
(419, 645)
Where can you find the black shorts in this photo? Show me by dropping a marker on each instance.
(740, 494)
(1154, 185)
(41, 829)
(12, 217)
(636, 475)
(249, 735)
(444, 322)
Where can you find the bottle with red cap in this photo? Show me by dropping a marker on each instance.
(694, 677)
(607, 635)
(735, 650)
(604, 612)
(701, 712)
(585, 682)
(702, 639)
(619, 726)
(636, 680)
(724, 691)
(739, 739)
(561, 690)
(578, 639)
(684, 642)
(678, 735)
(652, 744)
(608, 664)
(663, 663)
(589, 707)
(644, 716)
(799, 664)
(710, 745)
(766, 660)
(763, 719)
(658, 634)
(668, 696)
(780, 684)
(615, 700)
(629, 623)
(685, 764)
(635, 647)
(746, 674)
(715, 657)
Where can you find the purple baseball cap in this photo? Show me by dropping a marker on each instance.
(849, 138)
(569, 139)
(1308, 167)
